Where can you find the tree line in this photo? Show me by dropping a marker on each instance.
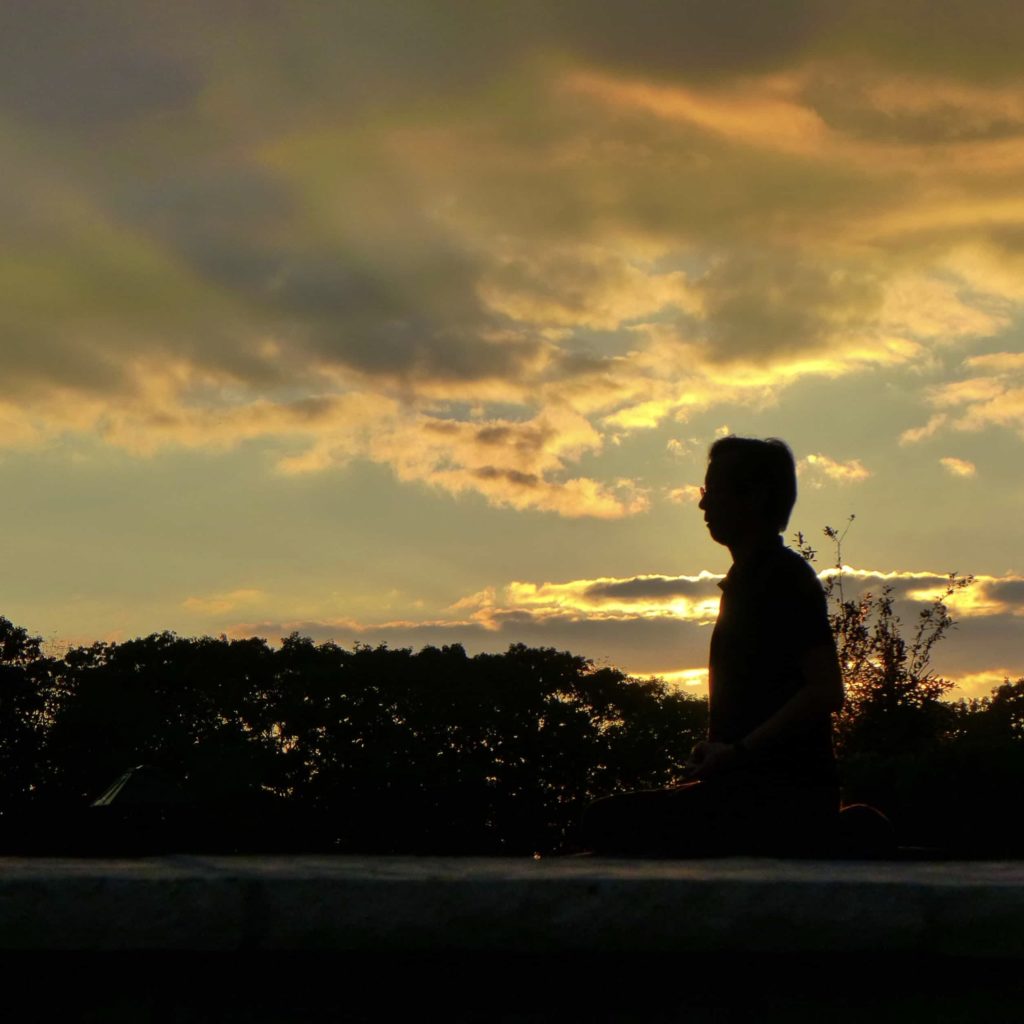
(382, 748)
(436, 751)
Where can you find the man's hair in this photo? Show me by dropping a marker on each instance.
(766, 466)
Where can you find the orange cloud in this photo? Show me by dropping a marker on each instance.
(762, 113)
(974, 685)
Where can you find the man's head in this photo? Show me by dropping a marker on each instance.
(749, 489)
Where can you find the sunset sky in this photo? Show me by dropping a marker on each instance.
(411, 322)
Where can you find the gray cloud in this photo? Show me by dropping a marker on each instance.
(845, 104)
(690, 38)
(372, 307)
(856, 586)
(1010, 591)
(992, 641)
(657, 587)
(81, 66)
(763, 304)
(511, 476)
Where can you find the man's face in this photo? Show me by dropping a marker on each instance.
(729, 511)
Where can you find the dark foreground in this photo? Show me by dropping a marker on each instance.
(697, 988)
(188, 938)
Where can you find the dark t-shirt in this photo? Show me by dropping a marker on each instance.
(772, 612)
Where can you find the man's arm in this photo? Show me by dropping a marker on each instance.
(821, 694)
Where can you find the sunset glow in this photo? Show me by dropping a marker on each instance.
(412, 322)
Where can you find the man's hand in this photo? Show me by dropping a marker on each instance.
(709, 759)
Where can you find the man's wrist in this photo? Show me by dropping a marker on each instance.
(742, 751)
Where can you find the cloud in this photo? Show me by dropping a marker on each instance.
(769, 305)
(581, 287)
(986, 596)
(103, 66)
(958, 467)
(679, 447)
(763, 114)
(1009, 590)
(688, 494)
(643, 587)
(975, 685)
(690, 598)
(483, 250)
(513, 463)
(997, 362)
(687, 678)
(914, 434)
(816, 468)
(633, 621)
(993, 397)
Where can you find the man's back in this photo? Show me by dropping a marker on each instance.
(773, 611)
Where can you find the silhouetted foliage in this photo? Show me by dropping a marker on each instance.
(432, 751)
(26, 679)
(946, 772)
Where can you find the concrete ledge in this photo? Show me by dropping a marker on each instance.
(399, 904)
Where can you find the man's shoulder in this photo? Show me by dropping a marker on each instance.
(787, 567)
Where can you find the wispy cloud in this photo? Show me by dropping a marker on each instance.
(991, 394)
(223, 603)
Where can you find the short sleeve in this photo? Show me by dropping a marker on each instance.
(811, 627)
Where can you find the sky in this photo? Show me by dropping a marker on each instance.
(411, 321)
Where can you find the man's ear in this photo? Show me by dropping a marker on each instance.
(756, 502)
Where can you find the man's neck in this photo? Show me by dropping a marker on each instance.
(744, 548)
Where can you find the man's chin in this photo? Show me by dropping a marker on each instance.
(715, 535)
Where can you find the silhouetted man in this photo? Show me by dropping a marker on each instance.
(764, 780)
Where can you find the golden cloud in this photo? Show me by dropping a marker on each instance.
(984, 596)
(583, 286)
(816, 466)
(687, 678)
(932, 427)
(686, 598)
(688, 494)
(761, 113)
(974, 685)
(958, 467)
(991, 399)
